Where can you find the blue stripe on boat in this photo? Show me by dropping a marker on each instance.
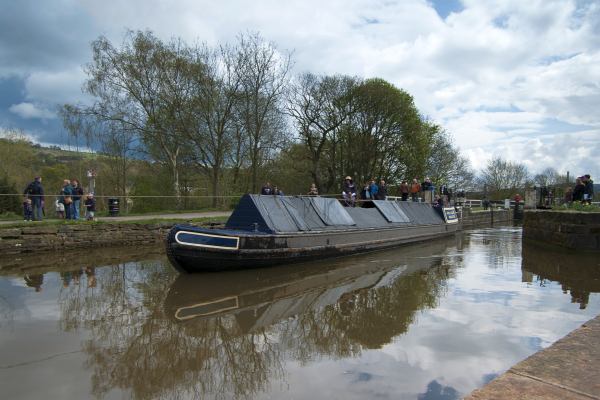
(207, 240)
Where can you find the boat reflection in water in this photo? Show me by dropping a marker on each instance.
(255, 299)
(233, 332)
(578, 273)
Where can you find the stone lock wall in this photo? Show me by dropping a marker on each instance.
(572, 230)
(482, 218)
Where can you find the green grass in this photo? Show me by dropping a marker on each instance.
(8, 216)
(577, 206)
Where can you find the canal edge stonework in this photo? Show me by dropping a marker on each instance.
(572, 230)
(490, 217)
(30, 239)
(568, 369)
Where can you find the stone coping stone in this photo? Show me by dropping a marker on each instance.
(10, 233)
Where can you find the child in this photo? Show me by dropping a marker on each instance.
(60, 209)
(90, 207)
(27, 210)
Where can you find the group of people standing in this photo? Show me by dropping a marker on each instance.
(67, 205)
(370, 191)
(583, 191)
(69, 202)
(267, 189)
(374, 189)
(425, 191)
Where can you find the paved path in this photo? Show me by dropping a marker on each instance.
(569, 369)
(182, 216)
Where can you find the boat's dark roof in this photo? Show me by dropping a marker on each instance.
(275, 214)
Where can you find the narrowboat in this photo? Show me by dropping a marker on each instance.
(273, 230)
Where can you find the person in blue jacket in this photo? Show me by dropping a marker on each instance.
(373, 189)
(66, 198)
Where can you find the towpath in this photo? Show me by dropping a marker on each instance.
(182, 216)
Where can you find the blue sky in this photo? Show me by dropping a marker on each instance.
(519, 80)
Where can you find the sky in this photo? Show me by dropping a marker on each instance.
(512, 79)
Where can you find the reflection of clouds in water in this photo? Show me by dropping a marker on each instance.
(13, 294)
(32, 304)
(488, 321)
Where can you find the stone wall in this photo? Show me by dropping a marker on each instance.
(572, 230)
(483, 218)
(34, 238)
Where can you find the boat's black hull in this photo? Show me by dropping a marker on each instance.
(263, 250)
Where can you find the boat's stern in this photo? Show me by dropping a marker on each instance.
(188, 246)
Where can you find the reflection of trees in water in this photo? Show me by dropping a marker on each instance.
(370, 317)
(502, 250)
(578, 274)
(135, 347)
(378, 315)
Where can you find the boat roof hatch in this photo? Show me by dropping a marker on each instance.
(331, 211)
(420, 213)
(391, 211)
(277, 215)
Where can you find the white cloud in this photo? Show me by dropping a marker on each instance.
(31, 111)
(55, 87)
(534, 61)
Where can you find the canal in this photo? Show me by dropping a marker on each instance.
(426, 321)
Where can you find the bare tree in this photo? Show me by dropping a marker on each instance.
(503, 176)
(263, 74)
(141, 86)
(547, 177)
(212, 112)
(109, 137)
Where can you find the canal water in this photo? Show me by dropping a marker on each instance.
(426, 321)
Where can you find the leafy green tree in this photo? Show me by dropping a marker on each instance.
(318, 106)
(383, 136)
(9, 203)
(445, 164)
(18, 158)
